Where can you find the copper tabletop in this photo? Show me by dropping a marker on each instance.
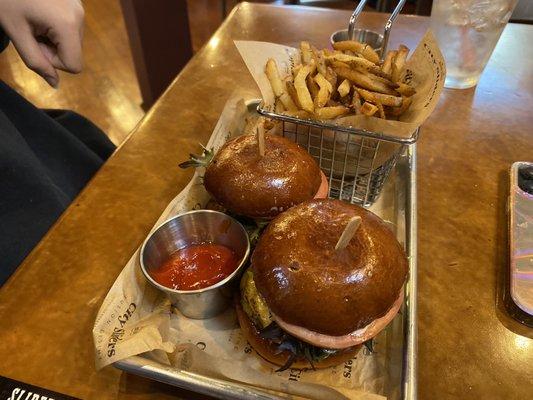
(468, 347)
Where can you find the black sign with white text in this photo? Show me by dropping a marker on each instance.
(15, 390)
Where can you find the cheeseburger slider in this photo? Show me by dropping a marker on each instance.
(260, 184)
(309, 300)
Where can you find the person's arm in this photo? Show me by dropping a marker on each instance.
(47, 34)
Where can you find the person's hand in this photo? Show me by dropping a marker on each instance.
(46, 33)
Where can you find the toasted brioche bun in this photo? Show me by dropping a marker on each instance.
(322, 193)
(262, 187)
(306, 283)
(268, 350)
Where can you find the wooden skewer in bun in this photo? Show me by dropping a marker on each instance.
(347, 234)
(261, 139)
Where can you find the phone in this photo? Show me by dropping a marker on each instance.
(521, 235)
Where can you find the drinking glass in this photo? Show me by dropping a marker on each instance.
(467, 32)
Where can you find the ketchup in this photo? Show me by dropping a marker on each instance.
(196, 267)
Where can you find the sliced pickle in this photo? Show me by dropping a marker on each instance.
(253, 303)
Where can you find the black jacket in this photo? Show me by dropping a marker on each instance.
(46, 158)
(4, 40)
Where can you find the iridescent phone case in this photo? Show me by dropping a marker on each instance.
(521, 235)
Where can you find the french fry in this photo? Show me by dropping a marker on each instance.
(359, 63)
(345, 58)
(278, 107)
(387, 63)
(369, 109)
(367, 81)
(405, 90)
(294, 96)
(364, 49)
(312, 86)
(386, 81)
(398, 63)
(318, 60)
(321, 63)
(325, 91)
(312, 67)
(362, 65)
(302, 91)
(322, 81)
(397, 111)
(344, 88)
(322, 98)
(378, 72)
(380, 77)
(331, 76)
(278, 87)
(331, 112)
(381, 110)
(296, 59)
(296, 69)
(307, 53)
(356, 102)
(339, 64)
(384, 99)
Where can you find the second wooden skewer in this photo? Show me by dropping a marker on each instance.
(348, 233)
(261, 139)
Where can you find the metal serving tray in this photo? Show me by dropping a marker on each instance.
(398, 198)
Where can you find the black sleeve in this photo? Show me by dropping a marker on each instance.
(4, 40)
(43, 167)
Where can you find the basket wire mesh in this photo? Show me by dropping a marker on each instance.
(354, 165)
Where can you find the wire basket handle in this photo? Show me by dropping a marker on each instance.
(353, 19)
(388, 25)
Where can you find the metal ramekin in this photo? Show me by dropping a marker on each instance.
(195, 227)
(373, 39)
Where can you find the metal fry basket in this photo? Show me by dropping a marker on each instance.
(356, 162)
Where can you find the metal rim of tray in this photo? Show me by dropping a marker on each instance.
(226, 389)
